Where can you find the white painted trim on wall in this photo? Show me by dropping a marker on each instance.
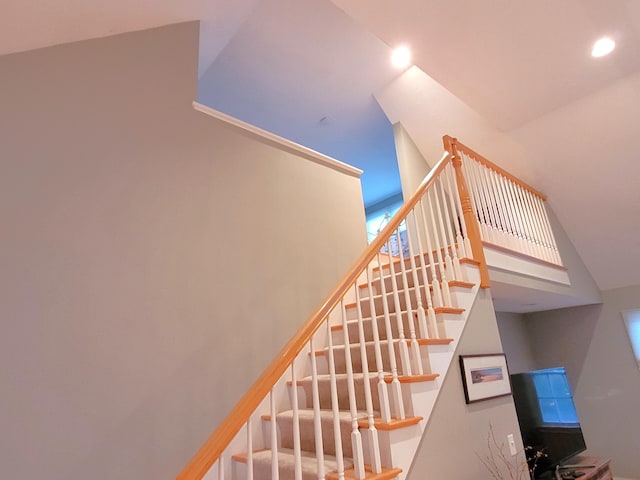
(514, 263)
(280, 142)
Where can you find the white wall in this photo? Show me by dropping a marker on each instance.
(153, 260)
(428, 111)
(592, 344)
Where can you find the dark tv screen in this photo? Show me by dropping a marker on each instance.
(547, 416)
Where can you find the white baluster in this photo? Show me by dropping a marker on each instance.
(489, 185)
(551, 241)
(428, 326)
(444, 280)
(249, 450)
(527, 222)
(533, 221)
(449, 220)
(274, 437)
(545, 238)
(454, 202)
(508, 207)
(468, 253)
(221, 468)
(335, 409)
(297, 454)
(356, 439)
(402, 344)
(317, 419)
(383, 394)
(514, 191)
(472, 174)
(376, 462)
(495, 182)
(435, 283)
(445, 242)
(417, 286)
(415, 348)
(396, 390)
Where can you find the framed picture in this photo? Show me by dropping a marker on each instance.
(484, 376)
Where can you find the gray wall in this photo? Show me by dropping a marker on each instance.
(591, 342)
(515, 340)
(456, 435)
(412, 165)
(153, 259)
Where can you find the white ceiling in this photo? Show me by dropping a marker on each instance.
(523, 67)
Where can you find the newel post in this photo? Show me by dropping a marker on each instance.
(473, 227)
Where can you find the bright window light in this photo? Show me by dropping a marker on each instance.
(603, 47)
(632, 322)
(401, 57)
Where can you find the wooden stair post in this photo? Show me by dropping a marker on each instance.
(473, 228)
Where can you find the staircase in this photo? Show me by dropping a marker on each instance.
(359, 339)
(350, 395)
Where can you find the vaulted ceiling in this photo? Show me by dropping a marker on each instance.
(523, 68)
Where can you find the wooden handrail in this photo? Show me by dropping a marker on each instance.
(470, 218)
(489, 164)
(227, 430)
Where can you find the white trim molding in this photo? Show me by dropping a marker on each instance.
(279, 142)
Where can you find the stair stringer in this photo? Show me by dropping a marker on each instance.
(399, 447)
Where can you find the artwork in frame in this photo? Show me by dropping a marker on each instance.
(485, 376)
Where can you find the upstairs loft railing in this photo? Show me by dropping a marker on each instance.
(446, 222)
(511, 214)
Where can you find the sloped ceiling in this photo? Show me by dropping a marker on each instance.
(526, 69)
(319, 96)
(523, 67)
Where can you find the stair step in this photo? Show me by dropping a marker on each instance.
(400, 283)
(386, 474)
(286, 464)
(367, 325)
(417, 259)
(402, 305)
(394, 424)
(359, 379)
(340, 361)
(396, 261)
(470, 261)
(324, 387)
(428, 377)
(306, 419)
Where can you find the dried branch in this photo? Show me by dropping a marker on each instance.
(501, 466)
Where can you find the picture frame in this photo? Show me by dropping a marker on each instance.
(485, 376)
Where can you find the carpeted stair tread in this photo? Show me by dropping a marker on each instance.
(340, 362)
(286, 464)
(306, 419)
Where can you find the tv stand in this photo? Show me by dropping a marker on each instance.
(594, 468)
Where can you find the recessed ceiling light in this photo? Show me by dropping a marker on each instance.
(603, 47)
(401, 57)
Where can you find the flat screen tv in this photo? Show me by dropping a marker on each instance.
(547, 416)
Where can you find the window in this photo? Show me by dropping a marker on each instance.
(554, 397)
(377, 220)
(632, 322)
